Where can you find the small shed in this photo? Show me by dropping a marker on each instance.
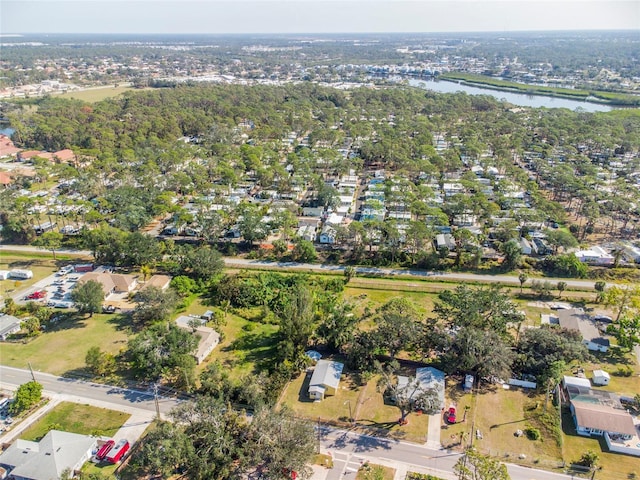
(600, 377)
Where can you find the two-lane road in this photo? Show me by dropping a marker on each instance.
(116, 396)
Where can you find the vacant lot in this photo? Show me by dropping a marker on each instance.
(96, 94)
(42, 265)
(497, 414)
(76, 418)
(372, 297)
(62, 348)
(247, 346)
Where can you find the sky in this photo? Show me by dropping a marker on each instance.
(314, 16)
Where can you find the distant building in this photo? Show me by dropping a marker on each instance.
(8, 326)
(209, 338)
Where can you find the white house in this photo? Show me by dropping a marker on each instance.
(208, 337)
(8, 326)
(432, 378)
(600, 377)
(325, 379)
(328, 235)
(445, 240)
(595, 256)
(49, 458)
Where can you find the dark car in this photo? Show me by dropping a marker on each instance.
(108, 309)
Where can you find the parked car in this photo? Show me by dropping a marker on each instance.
(603, 318)
(37, 295)
(108, 309)
(450, 416)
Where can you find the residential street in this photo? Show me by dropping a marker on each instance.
(326, 268)
(348, 449)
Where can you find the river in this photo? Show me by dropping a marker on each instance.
(521, 99)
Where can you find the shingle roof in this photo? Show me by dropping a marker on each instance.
(603, 417)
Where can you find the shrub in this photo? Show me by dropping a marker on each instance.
(532, 433)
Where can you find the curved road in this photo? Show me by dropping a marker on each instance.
(373, 271)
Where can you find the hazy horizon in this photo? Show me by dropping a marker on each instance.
(299, 17)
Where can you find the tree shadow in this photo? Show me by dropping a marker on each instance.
(615, 355)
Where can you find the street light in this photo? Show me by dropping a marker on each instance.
(350, 415)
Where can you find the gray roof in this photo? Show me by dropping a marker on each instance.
(48, 458)
(327, 373)
(8, 324)
(575, 319)
(432, 378)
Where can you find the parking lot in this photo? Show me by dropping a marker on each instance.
(52, 291)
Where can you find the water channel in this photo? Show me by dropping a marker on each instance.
(520, 99)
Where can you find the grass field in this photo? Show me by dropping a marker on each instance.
(247, 344)
(497, 414)
(96, 94)
(371, 471)
(76, 418)
(62, 349)
(41, 264)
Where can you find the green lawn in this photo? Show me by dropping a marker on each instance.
(97, 94)
(63, 347)
(373, 297)
(371, 471)
(41, 264)
(76, 418)
(247, 345)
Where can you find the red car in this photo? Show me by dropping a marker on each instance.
(37, 295)
(450, 416)
(104, 449)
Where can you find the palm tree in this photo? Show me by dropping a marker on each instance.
(523, 277)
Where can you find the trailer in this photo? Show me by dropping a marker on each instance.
(117, 452)
(19, 274)
(104, 450)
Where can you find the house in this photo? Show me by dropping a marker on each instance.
(111, 282)
(575, 319)
(7, 148)
(527, 247)
(8, 326)
(445, 240)
(325, 379)
(49, 458)
(65, 155)
(600, 377)
(328, 235)
(208, 337)
(595, 256)
(431, 378)
(160, 281)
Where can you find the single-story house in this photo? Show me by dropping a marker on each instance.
(8, 326)
(49, 458)
(328, 235)
(595, 256)
(432, 378)
(325, 379)
(575, 319)
(160, 281)
(445, 240)
(209, 338)
(111, 282)
(594, 419)
(7, 148)
(65, 155)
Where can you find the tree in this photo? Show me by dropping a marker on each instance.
(27, 395)
(561, 287)
(406, 396)
(32, 326)
(51, 241)
(626, 331)
(278, 443)
(589, 459)
(349, 273)
(296, 322)
(88, 297)
(561, 238)
(512, 254)
(623, 297)
(566, 265)
(599, 287)
(543, 289)
(338, 327)
(203, 263)
(99, 362)
(476, 466)
(522, 278)
(154, 304)
(163, 349)
(304, 251)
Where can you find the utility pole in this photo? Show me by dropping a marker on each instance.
(33, 377)
(155, 396)
(318, 429)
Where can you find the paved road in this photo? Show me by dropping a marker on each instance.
(348, 449)
(117, 397)
(383, 272)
